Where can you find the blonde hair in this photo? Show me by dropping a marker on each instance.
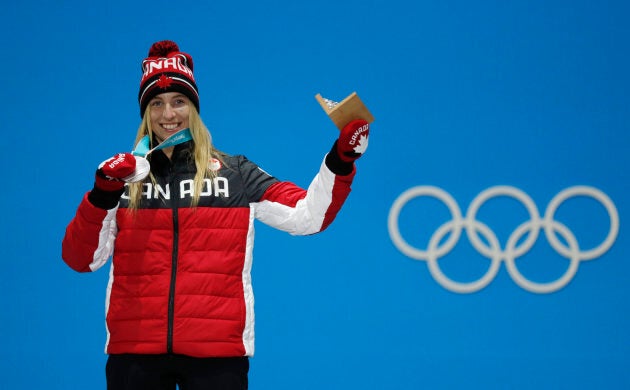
(203, 153)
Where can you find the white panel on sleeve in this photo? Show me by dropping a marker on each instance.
(307, 216)
(106, 238)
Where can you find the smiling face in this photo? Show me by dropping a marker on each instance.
(169, 114)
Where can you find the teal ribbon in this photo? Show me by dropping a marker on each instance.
(142, 148)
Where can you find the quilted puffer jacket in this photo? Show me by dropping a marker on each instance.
(180, 276)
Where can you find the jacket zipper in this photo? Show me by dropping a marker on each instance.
(171, 293)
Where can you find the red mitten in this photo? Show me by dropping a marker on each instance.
(111, 172)
(353, 140)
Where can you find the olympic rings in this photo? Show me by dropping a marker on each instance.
(514, 248)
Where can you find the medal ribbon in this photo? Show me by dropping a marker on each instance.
(142, 148)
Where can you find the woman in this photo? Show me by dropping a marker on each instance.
(179, 299)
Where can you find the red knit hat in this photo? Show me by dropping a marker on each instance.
(166, 69)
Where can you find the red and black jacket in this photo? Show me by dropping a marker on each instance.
(180, 278)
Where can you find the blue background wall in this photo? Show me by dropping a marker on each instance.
(466, 95)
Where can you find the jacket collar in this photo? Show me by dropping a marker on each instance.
(182, 156)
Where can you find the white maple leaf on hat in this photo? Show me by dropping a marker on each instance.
(362, 145)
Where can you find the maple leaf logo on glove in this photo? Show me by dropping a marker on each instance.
(362, 145)
(353, 140)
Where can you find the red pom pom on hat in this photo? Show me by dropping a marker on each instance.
(163, 48)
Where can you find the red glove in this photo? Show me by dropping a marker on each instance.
(353, 140)
(110, 172)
